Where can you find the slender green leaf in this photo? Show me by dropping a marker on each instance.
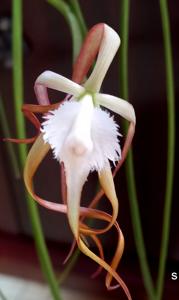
(20, 125)
(72, 21)
(170, 147)
(4, 123)
(130, 173)
(78, 13)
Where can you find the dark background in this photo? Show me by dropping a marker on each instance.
(47, 45)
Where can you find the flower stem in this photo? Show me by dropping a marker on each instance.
(20, 125)
(77, 12)
(130, 174)
(9, 146)
(170, 147)
(64, 275)
(73, 23)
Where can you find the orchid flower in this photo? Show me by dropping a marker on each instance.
(83, 137)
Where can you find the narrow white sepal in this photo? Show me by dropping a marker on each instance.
(57, 82)
(109, 46)
(117, 105)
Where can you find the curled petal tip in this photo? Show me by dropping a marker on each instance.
(114, 287)
(36, 154)
(107, 184)
(109, 31)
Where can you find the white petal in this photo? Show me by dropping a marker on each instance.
(117, 105)
(109, 46)
(57, 82)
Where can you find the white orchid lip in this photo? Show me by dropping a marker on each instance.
(80, 130)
